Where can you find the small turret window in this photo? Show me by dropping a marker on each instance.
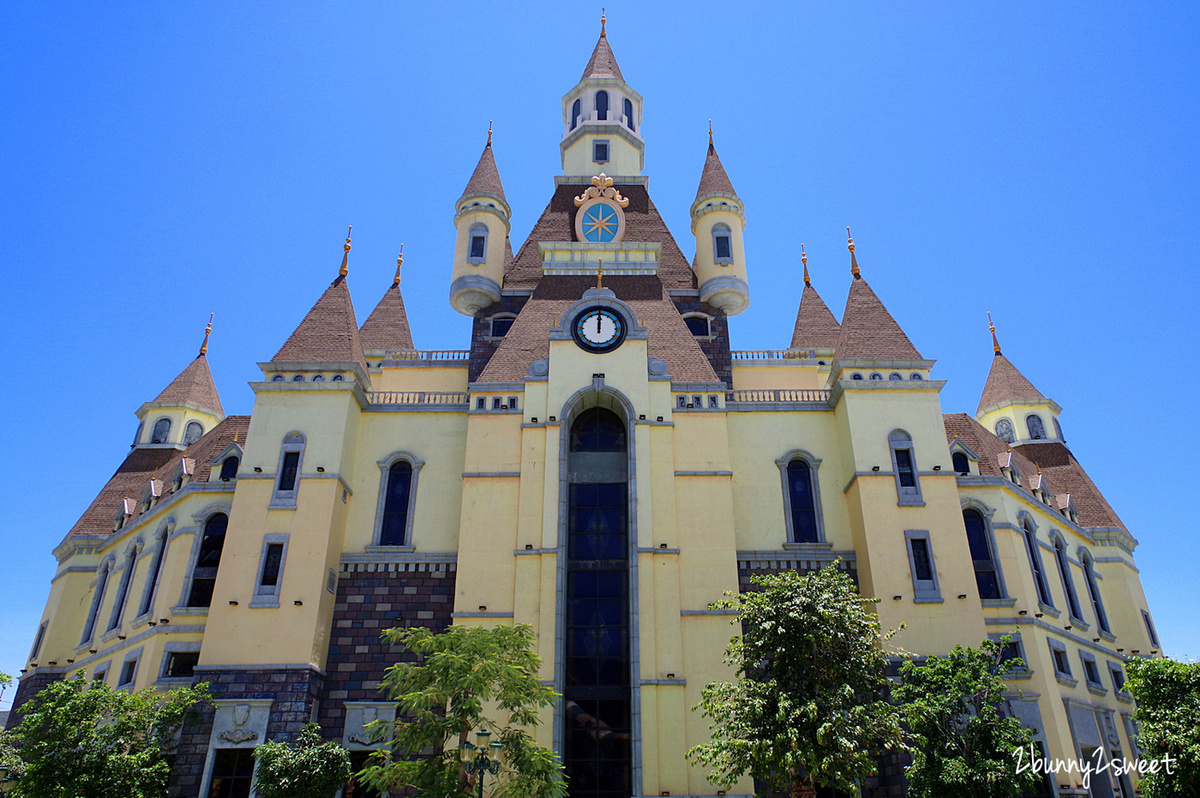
(287, 479)
(277, 378)
(576, 109)
(602, 105)
(162, 428)
(895, 376)
(904, 466)
(628, 106)
(298, 378)
(501, 325)
(961, 464)
(722, 244)
(600, 151)
(1005, 431)
(229, 467)
(1037, 429)
(877, 376)
(192, 432)
(477, 252)
(698, 326)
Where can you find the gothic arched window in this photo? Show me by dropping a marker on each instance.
(192, 432)
(208, 559)
(395, 505)
(628, 106)
(983, 556)
(576, 109)
(1005, 431)
(1037, 430)
(802, 503)
(602, 105)
(162, 428)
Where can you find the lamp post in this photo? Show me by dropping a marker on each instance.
(481, 758)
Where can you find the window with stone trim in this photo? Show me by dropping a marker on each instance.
(118, 610)
(1153, 635)
(208, 560)
(287, 479)
(156, 564)
(1093, 589)
(1035, 426)
(477, 243)
(921, 565)
(1005, 431)
(161, 431)
(576, 110)
(904, 466)
(600, 150)
(89, 626)
(801, 497)
(1058, 655)
(722, 243)
(193, 432)
(627, 105)
(180, 664)
(229, 467)
(960, 463)
(601, 105)
(397, 494)
(1064, 572)
(983, 554)
(232, 772)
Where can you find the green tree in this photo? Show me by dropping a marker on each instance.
(310, 768)
(5, 682)
(963, 746)
(87, 739)
(441, 701)
(809, 702)
(1168, 716)
(12, 767)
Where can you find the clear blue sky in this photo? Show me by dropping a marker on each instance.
(164, 160)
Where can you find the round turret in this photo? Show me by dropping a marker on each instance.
(717, 224)
(482, 220)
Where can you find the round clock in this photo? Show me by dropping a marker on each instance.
(600, 222)
(598, 329)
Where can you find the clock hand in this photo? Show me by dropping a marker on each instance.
(599, 321)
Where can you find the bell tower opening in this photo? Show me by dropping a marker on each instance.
(597, 690)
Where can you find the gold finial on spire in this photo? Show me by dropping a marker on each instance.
(710, 133)
(603, 20)
(235, 436)
(207, 331)
(804, 260)
(489, 133)
(853, 260)
(600, 273)
(399, 262)
(346, 254)
(992, 328)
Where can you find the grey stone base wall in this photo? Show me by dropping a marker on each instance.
(29, 686)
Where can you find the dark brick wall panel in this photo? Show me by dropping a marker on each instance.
(717, 349)
(483, 346)
(29, 686)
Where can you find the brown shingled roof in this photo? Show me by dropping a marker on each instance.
(642, 223)
(1005, 383)
(194, 385)
(133, 476)
(328, 333)
(486, 177)
(602, 64)
(869, 331)
(387, 326)
(816, 328)
(713, 178)
(669, 339)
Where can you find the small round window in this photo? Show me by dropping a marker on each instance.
(877, 376)
(298, 378)
(319, 378)
(856, 376)
(338, 378)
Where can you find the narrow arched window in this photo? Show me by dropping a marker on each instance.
(602, 105)
(628, 107)
(803, 507)
(722, 243)
(1064, 571)
(156, 564)
(1005, 431)
(162, 429)
(1089, 577)
(576, 109)
(395, 504)
(1035, 564)
(277, 378)
(597, 430)
(287, 480)
(1037, 430)
(1057, 429)
(192, 432)
(298, 378)
(983, 557)
(904, 466)
(123, 588)
(89, 626)
(229, 467)
(960, 462)
(477, 252)
(204, 574)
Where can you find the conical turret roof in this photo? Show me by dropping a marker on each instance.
(869, 331)
(1005, 383)
(486, 177)
(816, 328)
(387, 326)
(194, 385)
(602, 64)
(329, 333)
(713, 179)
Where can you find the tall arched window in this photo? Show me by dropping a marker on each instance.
(983, 555)
(162, 429)
(576, 109)
(89, 626)
(1005, 431)
(287, 480)
(478, 243)
(1089, 576)
(395, 505)
(229, 467)
(1064, 571)
(118, 610)
(602, 105)
(1035, 563)
(204, 574)
(156, 564)
(722, 244)
(628, 107)
(1037, 430)
(904, 465)
(193, 432)
(801, 497)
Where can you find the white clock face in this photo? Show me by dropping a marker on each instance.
(599, 329)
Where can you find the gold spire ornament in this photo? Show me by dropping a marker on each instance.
(342, 272)
(207, 331)
(992, 328)
(489, 133)
(853, 260)
(603, 20)
(710, 141)
(600, 273)
(399, 262)
(804, 260)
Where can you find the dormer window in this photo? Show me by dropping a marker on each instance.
(600, 151)
(628, 107)
(229, 468)
(602, 105)
(576, 109)
(722, 244)
(477, 251)
(162, 429)
(1037, 430)
(961, 464)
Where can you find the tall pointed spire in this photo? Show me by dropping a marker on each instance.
(868, 330)
(992, 328)
(1004, 382)
(207, 332)
(387, 326)
(195, 385)
(602, 64)
(713, 179)
(486, 177)
(342, 272)
(816, 328)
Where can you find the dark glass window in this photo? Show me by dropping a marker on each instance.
(97, 600)
(628, 106)
(1061, 664)
(152, 579)
(803, 505)
(960, 462)
(1035, 564)
(204, 575)
(600, 151)
(922, 566)
(697, 325)
(1009, 653)
(1037, 430)
(181, 664)
(575, 111)
(1091, 672)
(501, 325)
(602, 105)
(1149, 627)
(904, 468)
(162, 428)
(597, 430)
(193, 432)
(1064, 571)
(233, 770)
(395, 505)
(271, 563)
(287, 475)
(358, 761)
(986, 578)
(127, 672)
(37, 641)
(478, 244)
(229, 467)
(722, 246)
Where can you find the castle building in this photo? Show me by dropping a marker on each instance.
(599, 464)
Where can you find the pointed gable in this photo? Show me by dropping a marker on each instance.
(486, 177)
(816, 328)
(387, 326)
(602, 64)
(713, 179)
(194, 385)
(1004, 384)
(329, 333)
(869, 331)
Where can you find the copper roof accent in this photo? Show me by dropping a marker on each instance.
(1005, 383)
(328, 333)
(207, 332)
(1059, 467)
(133, 476)
(602, 64)
(816, 328)
(669, 338)
(486, 177)
(642, 223)
(869, 331)
(387, 326)
(194, 385)
(713, 179)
